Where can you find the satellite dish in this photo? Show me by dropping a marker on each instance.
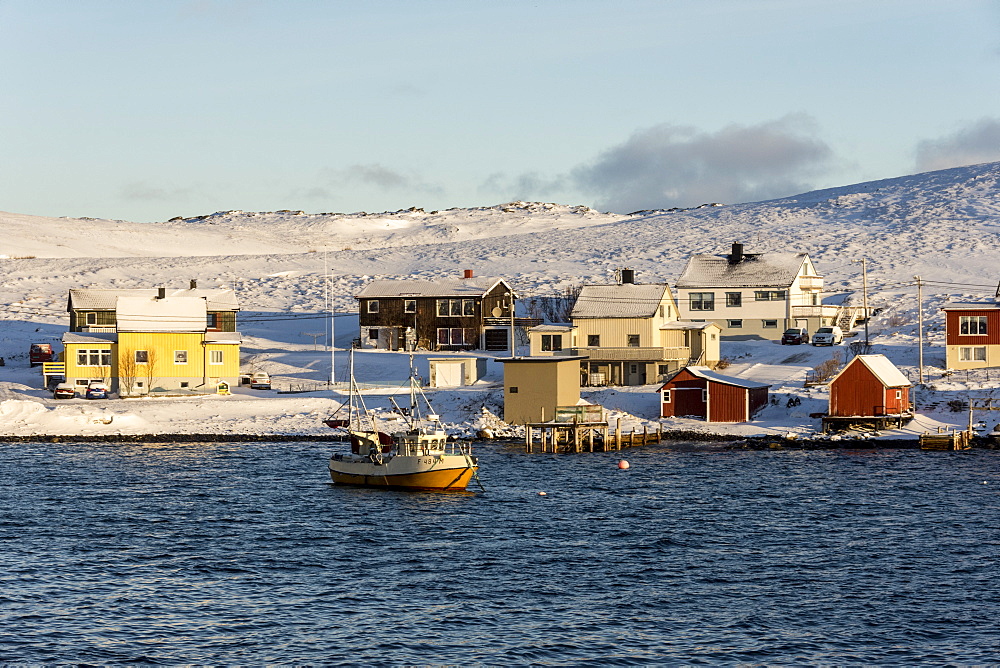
(497, 311)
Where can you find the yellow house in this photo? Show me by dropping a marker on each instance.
(152, 343)
(628, 334)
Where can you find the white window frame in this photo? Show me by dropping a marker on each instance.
(409, 306)
(141, 357)
(666, 396)
(972, 353)
(215, 357)
(373, 306)
(972, 325)
(552, 342)
(697, 301)
(769, 295)
(734, 299)
(769, 324)
(180, 357)
(93, 357)
(735, 323)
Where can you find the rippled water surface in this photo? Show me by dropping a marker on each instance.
(244, 553)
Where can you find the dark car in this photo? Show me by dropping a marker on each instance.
(795, 336)
(97, 391)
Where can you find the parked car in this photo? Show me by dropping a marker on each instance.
(260, 381)
(64, 391)
(795, 336)
(97, 391)
(828, 336)
(40, 353)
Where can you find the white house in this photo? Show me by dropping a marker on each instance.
(753, 295)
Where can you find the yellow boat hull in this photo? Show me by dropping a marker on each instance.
(441, 476)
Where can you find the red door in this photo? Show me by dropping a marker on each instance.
(688, 401)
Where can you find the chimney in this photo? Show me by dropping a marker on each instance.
(628, 276)
(737, 255)
(468, 273)
(161, 293)
(194, 284)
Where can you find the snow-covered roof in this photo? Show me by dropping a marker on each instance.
(753, 271)
(970, 306)
(679, 324)
(171, 314)
(884, 370)
(218, 299)
(552, 328)
(85, 337)
(707, 373)
(444, 287)
(628, 300)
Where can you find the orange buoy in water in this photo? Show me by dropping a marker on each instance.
(622, 464)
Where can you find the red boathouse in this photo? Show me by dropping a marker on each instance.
(697, 391)
(869, 386)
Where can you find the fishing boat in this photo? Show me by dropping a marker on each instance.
(420, 457)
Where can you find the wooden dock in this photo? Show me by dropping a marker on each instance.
(585, 436)
(945, 440)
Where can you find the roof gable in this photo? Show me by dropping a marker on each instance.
(883, 370)
(754, 271)
(706, 373)
(628, 300)
(445, 287)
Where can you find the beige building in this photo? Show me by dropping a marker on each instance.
(757, 295)
(534, 386)
(628, 334)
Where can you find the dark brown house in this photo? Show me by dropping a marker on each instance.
(446, 314)
(95, 310)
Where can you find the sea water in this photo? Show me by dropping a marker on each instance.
(226, 553)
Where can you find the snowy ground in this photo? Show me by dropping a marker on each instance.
(288, 266)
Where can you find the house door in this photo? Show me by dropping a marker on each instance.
(688, 401)
(635, 373)
(450, 375)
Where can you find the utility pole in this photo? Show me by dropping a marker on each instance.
(864, 296)
(920, 324)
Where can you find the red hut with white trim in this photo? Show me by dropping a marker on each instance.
(869, 386)
(697, 391)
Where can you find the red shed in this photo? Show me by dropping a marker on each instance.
(700, 392)
(870, 385)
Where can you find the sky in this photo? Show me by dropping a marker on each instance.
(144, 111)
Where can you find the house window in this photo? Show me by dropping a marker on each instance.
(972, 354)
(373, 334)
(972, 324)
(456, 307)
(899, 395)
(663, 370)
(734, 299)
(704, 396)
(91, 318)
(212, 321)
(373, 306)
(593, 340)
(662, 310)
(552, 342)
(180, 357)
(451, 336)
(769, 295)
(185, 384)
(142, 357)
(702, 301)
(409, 306)
(513, 390)
(215, 357)
(94, 357)
(770, 324)
(735, 323)
(633, 340)
(666, 396)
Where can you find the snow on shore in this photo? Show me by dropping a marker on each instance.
(941, 225)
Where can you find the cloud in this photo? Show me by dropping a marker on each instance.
(667, 165)
(975, 143)
(374, 175)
